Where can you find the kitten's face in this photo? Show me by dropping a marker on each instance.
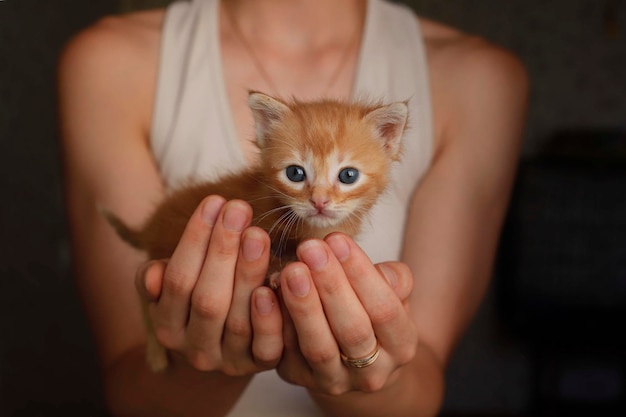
(327, 161)
(325, 189)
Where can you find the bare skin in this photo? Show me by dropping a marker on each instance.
(416, 309)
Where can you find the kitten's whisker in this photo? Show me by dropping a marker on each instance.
(357, 218)
(279, 193)
(260, 181)
(276, 190)
(264, 197)
(263, 216)
(284, 216)
(280, 242)
(284, 239)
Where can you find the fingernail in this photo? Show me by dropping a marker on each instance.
(339, 246)
(211, 210)
(263, 301)
(235, 218)
(313, 254)
(252, 247)
(298, 282)
(389, 274)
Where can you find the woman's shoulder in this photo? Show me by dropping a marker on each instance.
(113, 44)
(114, 60)
(451, 51)
(117, 38)
(469, 73)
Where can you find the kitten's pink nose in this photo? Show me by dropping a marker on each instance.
(320, 203)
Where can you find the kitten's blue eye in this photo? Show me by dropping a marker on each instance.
(295, 173)
(348, 175)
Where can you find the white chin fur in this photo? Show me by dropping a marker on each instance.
(324, 221)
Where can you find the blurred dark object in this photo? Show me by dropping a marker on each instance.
(561, 271)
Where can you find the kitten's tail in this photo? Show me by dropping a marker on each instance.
(130, 236)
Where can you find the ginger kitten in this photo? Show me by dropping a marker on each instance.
(323, 165)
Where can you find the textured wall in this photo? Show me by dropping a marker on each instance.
(46, 358)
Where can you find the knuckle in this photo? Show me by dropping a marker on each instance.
(384, 314)
(227, 249)
(201, 360)
(177, 282)
(356, 337)
(319, 357)
(239, 327)
(329, 286)
(372, 383)
(405, 353)
(335, 389)
(195, 237)
(207, 307)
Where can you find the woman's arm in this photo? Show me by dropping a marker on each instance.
(106, 79)
(480, 99)
(479, 95)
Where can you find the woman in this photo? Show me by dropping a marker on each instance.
(150, 98)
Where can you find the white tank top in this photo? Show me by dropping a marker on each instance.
(193, 135)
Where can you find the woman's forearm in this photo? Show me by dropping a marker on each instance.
(416, 391)
(132, 390)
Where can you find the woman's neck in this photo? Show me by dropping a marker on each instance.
(298, 24)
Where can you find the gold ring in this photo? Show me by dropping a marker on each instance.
(362, 362)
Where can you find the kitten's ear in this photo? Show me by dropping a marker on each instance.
(390, 121)
(266, 111)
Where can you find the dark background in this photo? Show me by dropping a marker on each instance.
(575, 52)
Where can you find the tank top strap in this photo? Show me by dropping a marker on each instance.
(193, 133)
(393, 67)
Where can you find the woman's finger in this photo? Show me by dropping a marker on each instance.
(149, 280)
(316, 341)
(212, 294)
(250, 273)
(292, 367)
(394, 329)
(172, 310)
(267, 325)
(346, 316)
